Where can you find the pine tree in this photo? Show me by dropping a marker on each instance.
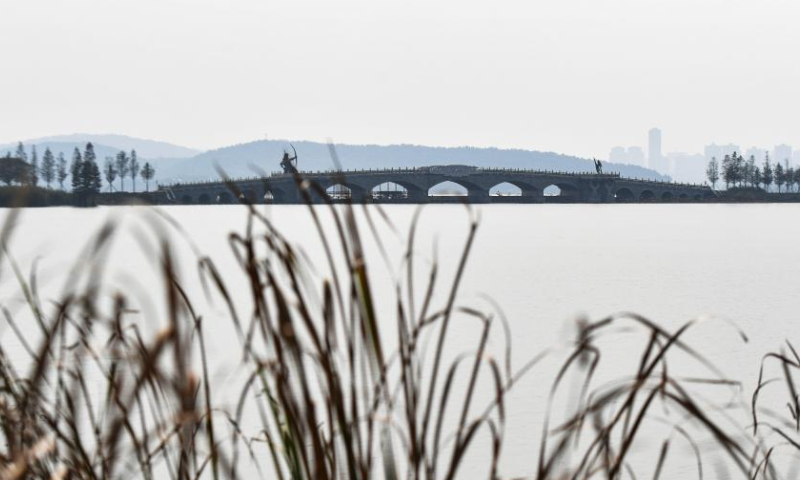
(148, 172)
(95, 179)
(88, 154)
(796, 177)
(48, 167)
(34, 170)
(766, 173)
(89, 178)
(779, 175)
(61, 169)
(712, 172)
(21, 152)
(134, 168)
(76, 170)
(122, 169)
(750, 171)
(13, 169)
(110, 172)
(728, 174)
(7, 169)
(739, 169)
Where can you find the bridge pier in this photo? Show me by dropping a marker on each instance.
(417, 196)
(477, 195)
(358, 196)
(532, 195)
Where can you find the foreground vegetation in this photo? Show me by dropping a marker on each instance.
(342, 384)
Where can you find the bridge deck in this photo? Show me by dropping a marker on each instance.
(424, 171)
(421, 185)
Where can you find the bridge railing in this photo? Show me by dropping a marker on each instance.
(670, 182)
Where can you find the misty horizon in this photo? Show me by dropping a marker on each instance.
(556, 76)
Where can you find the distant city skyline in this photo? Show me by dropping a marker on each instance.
(690, 165)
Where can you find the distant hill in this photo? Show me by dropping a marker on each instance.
(150, 149)
(264, 155)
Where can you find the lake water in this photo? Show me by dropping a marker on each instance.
(545, 265)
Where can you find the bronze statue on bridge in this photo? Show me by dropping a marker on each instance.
(598, 166)
(289, 164)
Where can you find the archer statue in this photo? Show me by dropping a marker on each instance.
(598, 166)
(289, 164)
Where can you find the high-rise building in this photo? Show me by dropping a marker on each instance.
(719, 151)
(655, 160)
(636, 156)
(781, 153)
(631, 155)
(618, 155)
(653, 147)
(687, 167)
(711, 151)
(758, 153)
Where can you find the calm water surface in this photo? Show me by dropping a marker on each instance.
(545, 265)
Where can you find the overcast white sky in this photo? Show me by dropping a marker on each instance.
(572, 76)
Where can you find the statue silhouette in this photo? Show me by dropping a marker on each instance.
(286, 162)
(598, 166)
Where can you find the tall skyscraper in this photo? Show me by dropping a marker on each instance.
(653, 147)
(632, 155)
(758, 153)
(655, 159)
(687, 167)
(781, 153)
(636, 156)
(618, 155)
(719, 151)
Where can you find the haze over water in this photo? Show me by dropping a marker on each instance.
(544, 265)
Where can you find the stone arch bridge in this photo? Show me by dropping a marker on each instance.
(420, 185)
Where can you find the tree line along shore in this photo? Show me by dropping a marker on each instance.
(736, 172)
(28, 180)
(25, 169)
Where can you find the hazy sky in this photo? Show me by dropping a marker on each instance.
(573, 76)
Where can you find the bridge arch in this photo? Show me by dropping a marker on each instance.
(647, 196)
(273, 195)
(389, 191)
(698, 198)
(339, 191)
(186, 199)
(224, 197)
(506, 189)
(204, 199)
(514, 188)
(552, 190)
(448, 188)
(624, 195)
(667, 196)
(248, 196)
(560, 192)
